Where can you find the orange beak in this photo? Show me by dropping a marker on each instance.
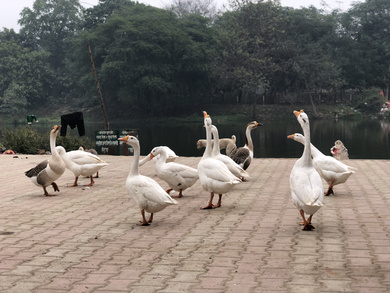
(297, 113)
(205, 115)
(125, 139)
(291, 136)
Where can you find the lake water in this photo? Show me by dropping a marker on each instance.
(366, 139)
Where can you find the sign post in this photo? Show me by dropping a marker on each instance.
(107, 142)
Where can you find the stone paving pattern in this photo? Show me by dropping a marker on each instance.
(87, 239)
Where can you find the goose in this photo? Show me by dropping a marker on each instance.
(243, 155)
(92, 151)
(224, 143)
(46, 172)
(147, 193)
(330, 169)
(214, 175)
(307, 191)
(233, 167)
(171, 156)
(81, 163)
(178, 176)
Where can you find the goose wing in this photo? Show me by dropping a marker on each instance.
(143, 186)
(240, 155)
(306, 185)
(37, 169)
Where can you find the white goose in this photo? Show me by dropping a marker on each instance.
(81, 163)
(331, 170)
(214, 176)
(46, 172)
(171, 156)
(178, 176)
(233, 167)
(307, 191)
(92, 151)
(243, 155)
(147, 193)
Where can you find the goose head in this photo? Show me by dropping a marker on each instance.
(157, 151)
(253, 125)
(302, 117)
(130, 140)
(207, 120)
(55, 129)
(297, 137)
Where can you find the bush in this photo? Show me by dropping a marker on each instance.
(369, 101)
(26, 140)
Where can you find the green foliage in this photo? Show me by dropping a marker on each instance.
(14, 100)
(367, 42)
(148, 60)
(369, 101)
(23, 140)
(27, 140)
(71, 143)
(25, 76)
(166, 62)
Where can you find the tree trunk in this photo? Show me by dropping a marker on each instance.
(311, 100)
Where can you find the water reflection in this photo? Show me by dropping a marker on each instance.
(366, 139)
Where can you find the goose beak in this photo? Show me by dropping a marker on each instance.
(125, 139)
(259, 124)
(205, 115)
(297, 113)
(291, 136)
(151, 156)
(56, 127)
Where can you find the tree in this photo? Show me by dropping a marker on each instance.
(243, 61)
(51, 26)
(311, 39)
(14, 100)
(101, 12)
(206, 8)
(25, 77)
(366, 27)
(149, 60)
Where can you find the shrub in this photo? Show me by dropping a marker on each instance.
(369, 101)
(26, 140)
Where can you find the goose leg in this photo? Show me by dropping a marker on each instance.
(143, 222)
(150, 218)
(180, 195)
(306, 225)
(75, 182)
(210, 205)
(309, 222)
(92, 182)
(55, 186)
(219, 203)
(55, 189)
(330, 188)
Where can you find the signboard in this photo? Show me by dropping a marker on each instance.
(107, 142)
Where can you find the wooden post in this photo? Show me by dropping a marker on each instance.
(105, 123)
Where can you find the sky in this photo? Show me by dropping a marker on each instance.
(10, 9)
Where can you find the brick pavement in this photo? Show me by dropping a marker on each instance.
(87, 240)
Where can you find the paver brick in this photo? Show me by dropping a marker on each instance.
(88, 240)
